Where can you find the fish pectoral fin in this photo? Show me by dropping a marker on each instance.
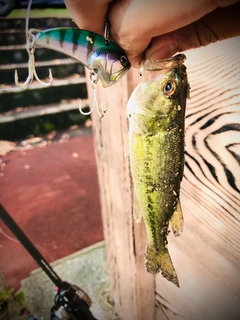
(176, 220)
(161, 262)
(137, 210)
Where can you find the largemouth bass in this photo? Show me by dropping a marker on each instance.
(156, 113)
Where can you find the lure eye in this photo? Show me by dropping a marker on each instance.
(124, 61)
(169, 88)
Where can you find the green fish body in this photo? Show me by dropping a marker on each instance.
(156, 113)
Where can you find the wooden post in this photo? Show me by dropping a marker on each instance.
(131, 288)
(206, 255)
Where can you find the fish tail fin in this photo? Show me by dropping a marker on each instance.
(176, 220)
(160, 262)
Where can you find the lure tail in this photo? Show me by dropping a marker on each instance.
(160, 262)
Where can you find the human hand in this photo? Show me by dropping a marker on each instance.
(158, 29)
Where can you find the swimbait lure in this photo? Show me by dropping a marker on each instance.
(156, 112)
(106, 60)
(103, 57)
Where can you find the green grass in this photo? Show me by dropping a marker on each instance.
(40, 13)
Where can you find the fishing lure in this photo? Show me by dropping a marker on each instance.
(106, 60)
(156, 112)
(103, 57)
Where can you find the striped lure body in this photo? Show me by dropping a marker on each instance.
(104, 58)
(156, 112)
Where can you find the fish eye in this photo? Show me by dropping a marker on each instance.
(169, 88)
(95, 70)
(124, 61)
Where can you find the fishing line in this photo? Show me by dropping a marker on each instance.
(15, 240)
(27, 20)
(7, 236)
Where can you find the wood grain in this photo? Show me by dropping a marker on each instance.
(207, 255)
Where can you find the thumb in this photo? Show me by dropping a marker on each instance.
(220, 24)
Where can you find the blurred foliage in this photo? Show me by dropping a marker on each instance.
(21, 129)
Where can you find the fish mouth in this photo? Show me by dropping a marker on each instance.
(163, 64)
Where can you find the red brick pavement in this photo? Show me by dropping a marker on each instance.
(52, 193)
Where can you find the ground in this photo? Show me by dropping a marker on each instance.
(49, 187)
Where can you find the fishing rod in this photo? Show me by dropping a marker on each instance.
(71, 302)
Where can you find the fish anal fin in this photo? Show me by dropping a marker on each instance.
(160, 262)
(176, 220)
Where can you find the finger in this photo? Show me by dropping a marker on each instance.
(89, 15)
(135, 22)
(223, 23)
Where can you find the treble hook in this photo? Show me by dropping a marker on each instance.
(31, 66)
(30, 47)
(94, 79)
(101, 111)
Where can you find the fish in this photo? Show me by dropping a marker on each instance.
(103, 57)
(156, 116)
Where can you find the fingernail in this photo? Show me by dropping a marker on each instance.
(163, 53)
